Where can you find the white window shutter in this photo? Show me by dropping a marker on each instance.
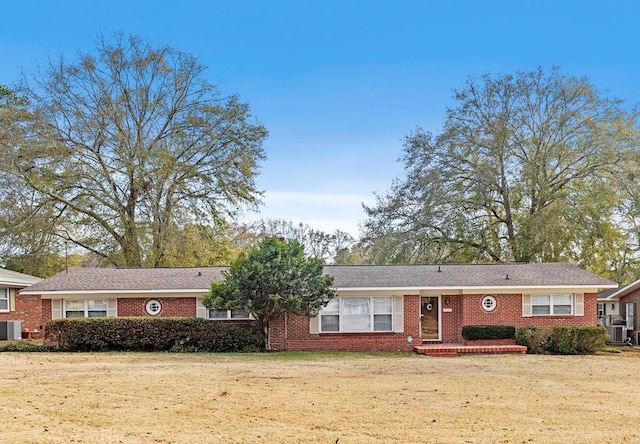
(112, 307)
(12, 299)
(56, 309)
(527, 310)
(314, 325)
(578, 304)
(201, 310)
(398, 314)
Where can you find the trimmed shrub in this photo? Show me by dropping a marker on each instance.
(562, 340)
(153, 334)
(538, 340)
(25, 347)
(475, 332)
(579, 340)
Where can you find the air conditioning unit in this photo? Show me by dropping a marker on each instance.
(10, 330)
(617, 333)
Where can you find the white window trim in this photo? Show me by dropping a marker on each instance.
(494, 303)
(631, 314)
(5, 297)
(148, 307)
(85, 303)
(551, 305)
(228, 317)
(371, 314)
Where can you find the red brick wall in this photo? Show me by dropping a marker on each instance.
(28, 309)
(412, 317)
(47, 314)
(634, 296)
(508, 311)
(451, 320)
(170, 306)
(291, 332)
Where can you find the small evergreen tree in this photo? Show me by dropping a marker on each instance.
(273, 278)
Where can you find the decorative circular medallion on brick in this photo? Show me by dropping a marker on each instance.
(153, 307)
(489, 303)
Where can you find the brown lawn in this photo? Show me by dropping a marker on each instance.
(325, 398)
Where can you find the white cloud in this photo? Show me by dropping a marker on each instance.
(322, 211)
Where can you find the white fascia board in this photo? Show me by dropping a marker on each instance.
(114, 292)
(479, 288)
(623, 291)
(17, 283)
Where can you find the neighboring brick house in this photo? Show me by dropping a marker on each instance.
(379, 307)
(618, 312)
(15, 306)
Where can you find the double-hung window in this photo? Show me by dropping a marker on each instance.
(357, 314)
(85, 308)
(213, 313)
(4, 299)
(552, 304)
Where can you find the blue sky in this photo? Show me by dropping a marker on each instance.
(339, 83)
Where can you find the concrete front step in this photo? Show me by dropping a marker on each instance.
(457, 350)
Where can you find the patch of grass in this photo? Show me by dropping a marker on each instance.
(610, 349)
(314, 356)
(317, 397)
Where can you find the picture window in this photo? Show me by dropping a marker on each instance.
(361, 314)
(93, 308)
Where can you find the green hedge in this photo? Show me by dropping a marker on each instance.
(475, 332)
(538, 340)
(21, 346)
(153, 334)
(562, 340)
(579, 340)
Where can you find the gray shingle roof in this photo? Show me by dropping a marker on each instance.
(130, 279)
(604, 294)
(345, 277)
(10, 278)
(619, 292)
(465, 275)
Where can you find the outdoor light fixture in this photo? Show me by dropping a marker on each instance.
(447, 300)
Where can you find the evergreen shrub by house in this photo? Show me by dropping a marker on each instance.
(475, 332)
(153, 334)
(578, 340)
(538, 340)
(562, 340)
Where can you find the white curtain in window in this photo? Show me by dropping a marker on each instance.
(74, 305)
(356, 314)
(382, 305)
(4, 299)
(356, 306)
(98, 304)
(562, 304)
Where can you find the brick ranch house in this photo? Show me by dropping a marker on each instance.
(14, 306)
(377, 308)
(618, 312)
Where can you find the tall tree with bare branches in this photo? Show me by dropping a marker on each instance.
(125, 146)
(521, 171)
